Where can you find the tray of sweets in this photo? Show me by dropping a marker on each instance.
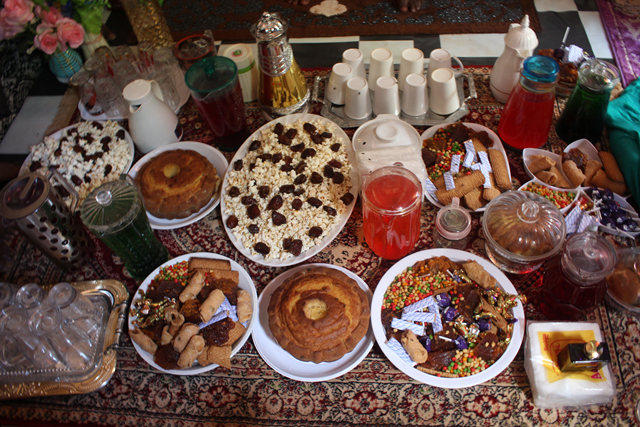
(111, 297)
(336, 112)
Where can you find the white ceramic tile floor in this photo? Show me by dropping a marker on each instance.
(473, 45)
(596, 34)
(555, 5)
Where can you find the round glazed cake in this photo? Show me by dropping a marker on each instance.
(177, 183)
(319, 314)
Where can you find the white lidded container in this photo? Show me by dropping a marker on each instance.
(386, 141)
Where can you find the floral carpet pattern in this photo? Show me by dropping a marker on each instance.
(374, 393)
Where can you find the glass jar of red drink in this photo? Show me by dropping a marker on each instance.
(574, 283)
(391, 206)
(528, 112)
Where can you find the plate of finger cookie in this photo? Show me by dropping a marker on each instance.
(193, 314)
(467, 161)
(580, 165)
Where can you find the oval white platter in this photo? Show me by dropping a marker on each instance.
(355, 188)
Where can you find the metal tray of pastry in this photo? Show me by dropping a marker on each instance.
(336, 112)
(114, 296)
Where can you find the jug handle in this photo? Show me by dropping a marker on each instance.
(54, 176)
(155, 88)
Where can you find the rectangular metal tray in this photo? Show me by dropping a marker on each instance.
(113, 296)
(336, 113)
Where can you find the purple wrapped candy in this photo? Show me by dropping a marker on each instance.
(613, 205)
(629, 225)
(484, 324)
(426, 342)
(619, 217)
(608, 222)
(461, 343)
(443, 300)
(607, 195)
(605, 212)
(594, 193)
(450, 313)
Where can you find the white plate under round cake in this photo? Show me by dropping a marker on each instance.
(286, 364)
(216, 158)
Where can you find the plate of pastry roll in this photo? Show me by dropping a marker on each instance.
(464, 160)
(193, 314)
(580, 165)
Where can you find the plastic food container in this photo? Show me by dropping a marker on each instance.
(522, 230)
(386, 141)
(624, 283)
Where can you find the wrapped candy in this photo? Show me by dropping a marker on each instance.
(443, 300)
(450, 313)
(461, 343)
(484, 324)
(426, 342)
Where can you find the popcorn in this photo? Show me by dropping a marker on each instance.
(86, 155)
(257, 170)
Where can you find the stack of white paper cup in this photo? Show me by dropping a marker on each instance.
(381, 65)
(355, 58)
(357, 100)
(248, 73)
(386, 99)
(335, 90)
(412, 62)
(443, 98)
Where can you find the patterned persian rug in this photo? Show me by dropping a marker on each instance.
(231, 20)
(621, 20)
(375, 393)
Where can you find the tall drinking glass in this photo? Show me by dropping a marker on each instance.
(115, 214)
(30, 296)
(73, 346)
(215, 88)
(7, 294)
(37, 350)
(192, 49)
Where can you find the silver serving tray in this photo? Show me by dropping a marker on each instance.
(113, 296)
(336, 112)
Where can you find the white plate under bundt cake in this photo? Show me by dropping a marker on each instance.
(177, 183)
(319, 314)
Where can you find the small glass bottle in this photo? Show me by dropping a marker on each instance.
(528, 113)
(583, 116)
(452, 227)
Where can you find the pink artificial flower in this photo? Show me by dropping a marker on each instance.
(8, 31)
(69, 31)
(49, 17)
(17, 13)
(46, 40)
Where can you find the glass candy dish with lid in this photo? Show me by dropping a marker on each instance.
(522, 230)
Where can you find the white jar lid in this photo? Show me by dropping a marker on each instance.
(242, 55)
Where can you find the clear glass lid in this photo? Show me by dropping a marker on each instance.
(525, 224)
(111, 207)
